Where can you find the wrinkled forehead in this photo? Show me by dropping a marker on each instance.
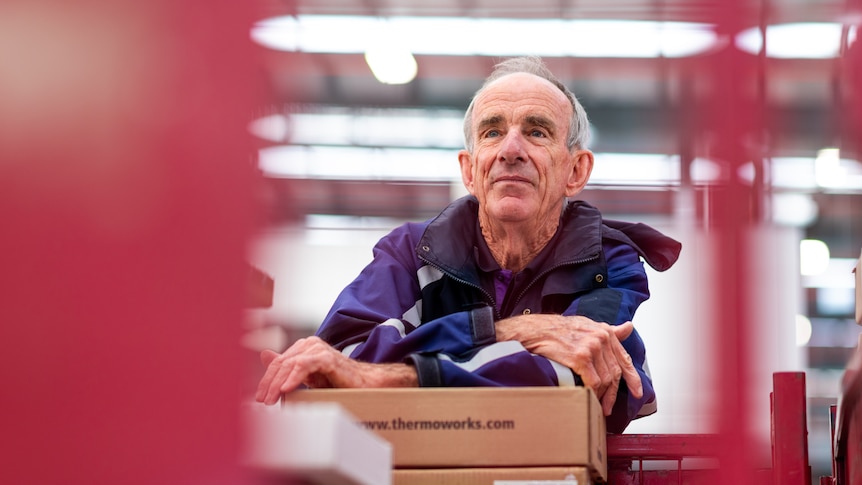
(522, 92)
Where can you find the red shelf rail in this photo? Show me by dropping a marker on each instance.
(650, 452)
(846, 421)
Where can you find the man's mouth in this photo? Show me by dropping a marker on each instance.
(512, 178)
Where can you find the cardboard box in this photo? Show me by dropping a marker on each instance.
(858, 271)
(316, 443)
(494, 476)
(480, 427)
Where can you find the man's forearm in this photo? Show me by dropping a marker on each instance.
(528, 329)
(388, 375)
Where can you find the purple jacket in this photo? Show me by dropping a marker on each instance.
(428, 298)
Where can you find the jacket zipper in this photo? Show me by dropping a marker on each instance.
(490, 299)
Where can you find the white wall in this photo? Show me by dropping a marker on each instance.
(310, 267)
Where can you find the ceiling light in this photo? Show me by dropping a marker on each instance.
(794, 210)
(390, 63)
(813, 257)
(279, 33)
(428, 36)
(827, 171)
(271, 128)
(835, 173)
(803, 330)
(635, 169)
(791, 173)
(392, 127)
(442, 129)
(440, 165)
(358, 163)
(389, 59)
(704, 170)
(805, 40)
(827, 167)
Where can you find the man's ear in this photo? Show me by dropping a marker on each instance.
(466, 162)
(582, 167)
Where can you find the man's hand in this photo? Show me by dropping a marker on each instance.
(313, 362)
(591, 349)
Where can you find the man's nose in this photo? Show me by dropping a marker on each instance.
(512, 148)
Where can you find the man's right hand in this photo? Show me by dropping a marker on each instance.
(593, 350)
(313, 362)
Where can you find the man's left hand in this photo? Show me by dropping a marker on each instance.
(593, 350)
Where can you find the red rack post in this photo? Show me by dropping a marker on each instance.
(789, 430)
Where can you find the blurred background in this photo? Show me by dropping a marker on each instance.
(361, 124)
(150, 150)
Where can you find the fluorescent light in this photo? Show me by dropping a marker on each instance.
(406, 128)
(357, 163)
(441, 130)
(635, 169)
(636, 38)
(703, 170)
(272, 128)
(433, 36)
(396, 127)
(355, 223)
(804, 40)
(792, 173)
(279, 33)
(827, 167)
(813, 257)
(792, 209)
(827, 171)
(803, 330)
(440, 165)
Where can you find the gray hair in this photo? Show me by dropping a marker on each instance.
(579, 126)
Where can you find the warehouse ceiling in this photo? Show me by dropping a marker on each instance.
(603, 83)
(636, 105)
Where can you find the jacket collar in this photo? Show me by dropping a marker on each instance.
(451, 238)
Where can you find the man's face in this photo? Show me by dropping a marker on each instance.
(520, 168)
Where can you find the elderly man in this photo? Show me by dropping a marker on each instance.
(513, 285)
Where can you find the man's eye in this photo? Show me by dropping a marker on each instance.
(492, 133)
(537, 133)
